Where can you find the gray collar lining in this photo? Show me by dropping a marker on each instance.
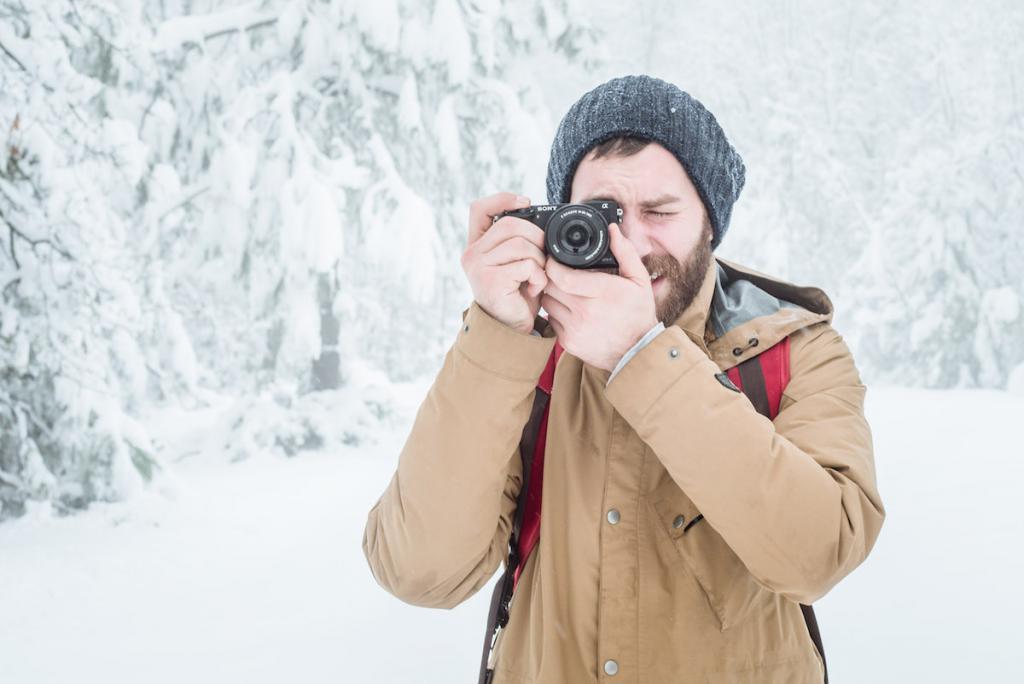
(738, 301)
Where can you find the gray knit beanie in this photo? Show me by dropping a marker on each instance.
(647, 107)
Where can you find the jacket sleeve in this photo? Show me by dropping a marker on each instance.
(441, 528)
(796, 499)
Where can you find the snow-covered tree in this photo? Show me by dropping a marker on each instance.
(74, 305)
(337, 145)
(246, 197)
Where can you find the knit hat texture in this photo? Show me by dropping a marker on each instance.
(650, 108)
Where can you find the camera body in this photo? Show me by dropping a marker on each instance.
(575, 234)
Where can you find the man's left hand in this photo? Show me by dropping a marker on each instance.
(598, 317)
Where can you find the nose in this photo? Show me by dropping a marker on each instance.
(636, 232)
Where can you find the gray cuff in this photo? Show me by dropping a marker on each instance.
(644, 341)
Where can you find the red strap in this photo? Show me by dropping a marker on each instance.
(734, 375)
(774, 363)
(775, 366)
(529, 533)
(547, 378)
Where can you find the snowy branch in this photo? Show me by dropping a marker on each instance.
(197, 29)
(33, 242)
(10, 55)
(182, 203)
(11, 480)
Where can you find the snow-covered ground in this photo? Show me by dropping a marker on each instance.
(253, 571)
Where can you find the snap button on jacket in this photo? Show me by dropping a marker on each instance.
(622, 585)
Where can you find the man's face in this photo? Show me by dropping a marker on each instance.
(663, 217)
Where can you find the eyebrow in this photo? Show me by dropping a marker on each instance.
(646, 204)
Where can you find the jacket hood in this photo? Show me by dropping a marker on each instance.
(740, 312)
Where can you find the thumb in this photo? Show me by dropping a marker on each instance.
(630, 265)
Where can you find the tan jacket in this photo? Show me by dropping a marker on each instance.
(790, 507)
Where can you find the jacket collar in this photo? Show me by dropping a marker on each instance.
(739, 313)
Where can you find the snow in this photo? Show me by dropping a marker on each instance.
(409, 106)
(446, 129)
(402, 240)
(1015, 383)
(451, 42)
(381, 23)
(1001, 304)
(253, 570)
(311, 228)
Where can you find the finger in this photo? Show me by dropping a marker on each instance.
(484, 209)
(577, 281)
(558, 328)
(570, 301)
(509, 227)
(555, 307)
(538, 281)
(519, 272)
(630, 264)
(515, 248)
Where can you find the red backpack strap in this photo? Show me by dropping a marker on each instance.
(547, 377)
(764, 378)
(526, 524)
(530, 532)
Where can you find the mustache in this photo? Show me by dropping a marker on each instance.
(664, 264)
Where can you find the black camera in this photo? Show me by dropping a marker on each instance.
(575, 234)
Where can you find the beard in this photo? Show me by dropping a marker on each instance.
(682, 280)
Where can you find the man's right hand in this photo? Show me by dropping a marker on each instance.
(504, 262)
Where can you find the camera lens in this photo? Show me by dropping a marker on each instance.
(576, 236)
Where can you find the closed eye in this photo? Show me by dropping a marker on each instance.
(662, 213)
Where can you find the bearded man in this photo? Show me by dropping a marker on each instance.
(688, 526)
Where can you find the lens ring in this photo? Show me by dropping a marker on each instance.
(563, 235)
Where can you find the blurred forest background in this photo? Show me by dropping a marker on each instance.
(264, 202)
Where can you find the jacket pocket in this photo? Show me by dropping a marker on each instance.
(730, 589)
